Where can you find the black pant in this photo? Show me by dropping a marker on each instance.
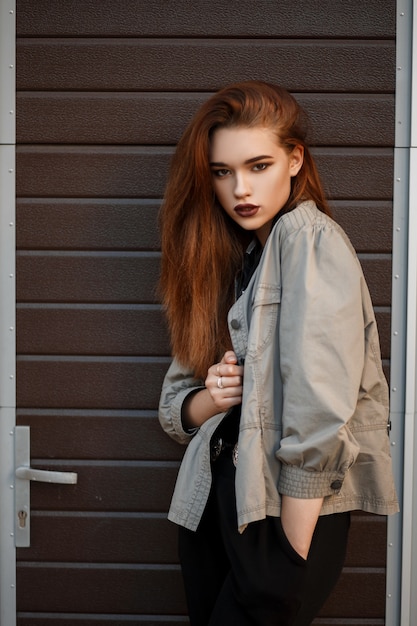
(255, 578)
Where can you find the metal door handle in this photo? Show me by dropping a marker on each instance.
(46, 476)
(24, 474)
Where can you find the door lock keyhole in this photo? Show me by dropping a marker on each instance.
(22, 515)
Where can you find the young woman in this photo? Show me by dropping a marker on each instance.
(276, 383)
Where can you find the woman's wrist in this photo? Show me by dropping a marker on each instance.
(299, 518)
(197, 408)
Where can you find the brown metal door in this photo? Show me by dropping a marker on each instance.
(104, 90)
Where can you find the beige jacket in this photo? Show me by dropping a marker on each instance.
(315, 400)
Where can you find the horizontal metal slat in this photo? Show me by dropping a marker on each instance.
(105, 435)
(139, 172)
(100, 589)
(161, 118)
(201, 65)
(138, 591)
(103, 539)
(25, 618)
(91, 331)
(89, 383)
(120, 279)
(124, 224)
(105, 224)
(377, 273)
(124, 538)
(77, 619)
(367, 224)
(108, 331)
(107, 486)
(121, 18)
(87, 278)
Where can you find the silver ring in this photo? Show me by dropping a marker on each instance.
(219, 382)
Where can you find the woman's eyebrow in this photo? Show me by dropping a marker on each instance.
(258, 158)
(247, 162)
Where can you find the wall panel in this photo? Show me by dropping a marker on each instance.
(127, 18)
(93, 589)
(180, 65)
(90, 382)
(100, 329)
(128, 172)
(43, 117)
(99, 434)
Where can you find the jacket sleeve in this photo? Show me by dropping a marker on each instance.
(322, 347)
(178, 384)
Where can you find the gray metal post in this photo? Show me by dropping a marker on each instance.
(7, 311)
(409, 565)
(401, 599)
(411, 397)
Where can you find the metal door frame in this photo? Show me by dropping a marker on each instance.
(7, 309)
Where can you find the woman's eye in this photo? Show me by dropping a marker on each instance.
(260, 167)
(220, 173)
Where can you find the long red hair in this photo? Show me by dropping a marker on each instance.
(202, 247)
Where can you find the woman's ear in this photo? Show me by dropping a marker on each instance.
(296, 159)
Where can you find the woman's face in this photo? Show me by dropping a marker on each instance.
(251, 175)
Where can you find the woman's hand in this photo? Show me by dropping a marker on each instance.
(299, 518)
(224, 382)
(223, 390)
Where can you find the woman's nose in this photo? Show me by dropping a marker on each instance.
(242, 187)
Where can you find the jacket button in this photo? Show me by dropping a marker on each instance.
(336, 484)
(235, 324)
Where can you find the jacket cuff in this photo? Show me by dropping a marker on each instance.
(299, 483)
(176, 413)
